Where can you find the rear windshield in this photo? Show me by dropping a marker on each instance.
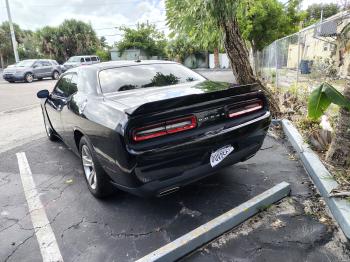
(143, 76)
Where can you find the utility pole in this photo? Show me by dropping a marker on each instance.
(13, 37)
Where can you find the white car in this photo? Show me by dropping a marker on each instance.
(75, 61)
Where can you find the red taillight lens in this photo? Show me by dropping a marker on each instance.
(164, 128)
(246, 109)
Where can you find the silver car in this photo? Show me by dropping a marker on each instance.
(75, 61)
(28, 70)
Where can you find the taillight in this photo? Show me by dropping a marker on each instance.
(255, 106)
(164, 128)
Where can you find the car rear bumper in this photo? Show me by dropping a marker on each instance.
(162, 171)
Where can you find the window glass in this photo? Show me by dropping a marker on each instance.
(82, 60)
(67, 85)
(38, 64)
(94, 58)
(45, 63)
(87, 59)
(75, 59)
(143, 76)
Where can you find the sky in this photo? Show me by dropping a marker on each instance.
(104, 15)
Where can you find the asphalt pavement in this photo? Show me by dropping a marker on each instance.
(125, 227)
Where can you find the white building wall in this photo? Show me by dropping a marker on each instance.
(223, 61)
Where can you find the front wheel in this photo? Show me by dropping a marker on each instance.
(55, 75)
(96, 179)
(28, 77)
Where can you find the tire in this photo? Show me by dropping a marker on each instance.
(96, 179)
(28, 77)
(49, 131)
(11, 81)
(55, 75)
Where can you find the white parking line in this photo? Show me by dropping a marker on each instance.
(43, 231)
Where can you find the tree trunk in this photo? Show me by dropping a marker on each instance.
(216, 58)
(238, 54)
(339, 151)
(256, 62)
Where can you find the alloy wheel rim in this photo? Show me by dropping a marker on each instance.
(29, 78)
(89, 168)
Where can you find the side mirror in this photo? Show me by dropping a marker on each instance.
(43, 94)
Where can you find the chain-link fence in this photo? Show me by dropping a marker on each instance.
(318, 53)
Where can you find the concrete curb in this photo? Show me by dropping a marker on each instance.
(214, 228)
(322, 179)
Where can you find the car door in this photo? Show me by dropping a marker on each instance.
(56, 102)
(46, 69)
(38, 69)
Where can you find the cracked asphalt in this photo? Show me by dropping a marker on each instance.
(125, 227)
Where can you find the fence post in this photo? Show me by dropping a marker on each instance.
(298, 62)
(276, 61)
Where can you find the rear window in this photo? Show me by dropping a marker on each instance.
(143, 76)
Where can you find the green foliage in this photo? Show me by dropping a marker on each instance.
(322, 97)
(25, 39)
(145, 37)
(313, 12)
(103, 54)
(193, 20)
(263, 21)
(71, 38)
(180, 47)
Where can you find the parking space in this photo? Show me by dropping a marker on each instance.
(126, 227)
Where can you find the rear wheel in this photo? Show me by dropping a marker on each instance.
(11, 81)
(55, 75)
(96, 179)
(28, 77)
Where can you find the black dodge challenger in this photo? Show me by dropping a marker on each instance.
(151, 127)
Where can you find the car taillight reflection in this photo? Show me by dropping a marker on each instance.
(164, 128)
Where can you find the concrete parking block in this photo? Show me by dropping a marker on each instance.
(203, 234)
(322, 179)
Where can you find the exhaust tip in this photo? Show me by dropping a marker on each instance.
(168, 191)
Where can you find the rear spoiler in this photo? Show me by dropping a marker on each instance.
(166, 104)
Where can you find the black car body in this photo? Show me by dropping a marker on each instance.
(151, 139)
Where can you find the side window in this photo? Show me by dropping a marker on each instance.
(87, 59)
(94, 58)
(82, 60)
(67, 85)
(46, 63)
(38, 64)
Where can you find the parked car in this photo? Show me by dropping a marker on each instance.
(28, 70)
(151, 127)
(75, 61)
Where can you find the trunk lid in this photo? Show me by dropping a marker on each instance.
(160, 99)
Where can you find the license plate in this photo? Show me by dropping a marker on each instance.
(220, 154)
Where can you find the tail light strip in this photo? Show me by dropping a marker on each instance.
(164, 128)
(246, 109)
